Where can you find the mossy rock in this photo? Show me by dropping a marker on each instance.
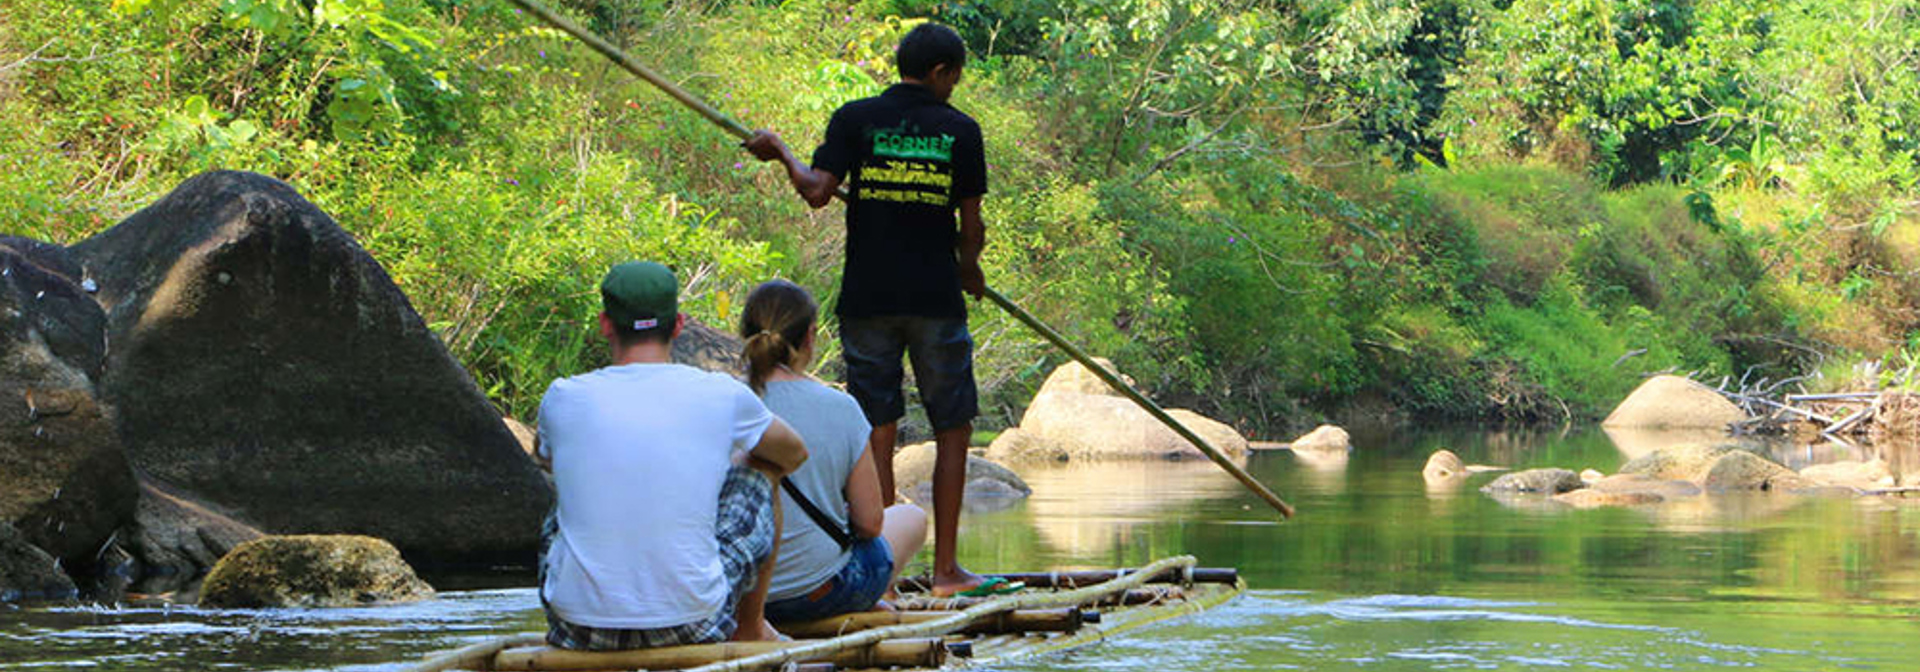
(312, 571)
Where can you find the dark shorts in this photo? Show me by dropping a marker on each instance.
(857, 587)
(746, 533)
(941, 351)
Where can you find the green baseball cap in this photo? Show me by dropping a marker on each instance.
(641, 295)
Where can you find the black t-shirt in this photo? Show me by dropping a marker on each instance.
(907, 160)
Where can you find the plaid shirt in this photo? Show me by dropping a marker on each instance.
(746, 534)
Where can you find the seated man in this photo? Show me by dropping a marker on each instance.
(663, 533)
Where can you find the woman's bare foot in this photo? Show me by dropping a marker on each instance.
(757, 632)
(961, 580)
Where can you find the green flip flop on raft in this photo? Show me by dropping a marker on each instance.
(994, 585)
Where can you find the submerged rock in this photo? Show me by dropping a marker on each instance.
(28, 574)
(989, 485)
(1066, 421)
(1870, 475)
(1673, 402)
(1323, 438)
(1543, 481)
(1587, 498)
(311, 571)
(1633, 484)
(65, 485)
(263, 361)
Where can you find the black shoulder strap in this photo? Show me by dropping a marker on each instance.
(819, 517)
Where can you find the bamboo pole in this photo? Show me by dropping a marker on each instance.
(476, 657)
(1137, 596)
(916, 652)
(734, 128)
(1091, 577)
(1066, 619)
(952, 622)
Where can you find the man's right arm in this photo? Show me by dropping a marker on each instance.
(815, 185)
(780, 450)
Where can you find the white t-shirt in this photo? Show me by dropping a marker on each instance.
(639, 453)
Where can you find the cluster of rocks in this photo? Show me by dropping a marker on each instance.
(1674, 471)
(229, 363)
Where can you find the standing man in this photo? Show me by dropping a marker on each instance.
(663, 534)
(910, 162)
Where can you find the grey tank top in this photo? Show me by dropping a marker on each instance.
(835, 430)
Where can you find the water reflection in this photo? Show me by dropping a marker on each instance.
(1378, 572)
(1087, 509)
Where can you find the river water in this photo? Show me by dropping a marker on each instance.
(1378, 572)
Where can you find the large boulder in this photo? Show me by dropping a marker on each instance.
(1535, 481)
(1323, 438)
(1673, 402)
(988, 484)
(709, 349)
(263, 362)
(311, 571)
(1066, 421)
(1641, 484)
(64, 483)
(177, 539)
(28, 573)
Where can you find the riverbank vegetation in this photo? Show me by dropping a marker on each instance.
(1269, 211)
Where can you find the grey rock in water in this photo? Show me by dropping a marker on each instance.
(1543, 481)
(264, 362)
(311, 571)
(1068, 422)
(65, 485)
(28, 574)
(989, 485)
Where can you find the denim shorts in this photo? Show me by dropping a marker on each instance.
(856, 588)
(941, 352)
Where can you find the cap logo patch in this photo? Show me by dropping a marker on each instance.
(645, 324)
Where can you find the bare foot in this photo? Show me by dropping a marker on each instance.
(961, 580)
(757, 632)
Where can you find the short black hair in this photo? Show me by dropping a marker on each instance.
(927, 45)
(627, 337)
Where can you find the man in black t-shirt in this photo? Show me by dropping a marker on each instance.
(909, 161)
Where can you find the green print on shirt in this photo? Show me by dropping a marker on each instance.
(900, 146)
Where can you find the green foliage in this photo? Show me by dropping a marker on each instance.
(1466, 208)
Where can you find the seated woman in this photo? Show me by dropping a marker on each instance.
(841, 546)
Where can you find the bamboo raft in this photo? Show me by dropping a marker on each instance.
(1058, 611)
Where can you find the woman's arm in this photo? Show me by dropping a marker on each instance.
(865, 510)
